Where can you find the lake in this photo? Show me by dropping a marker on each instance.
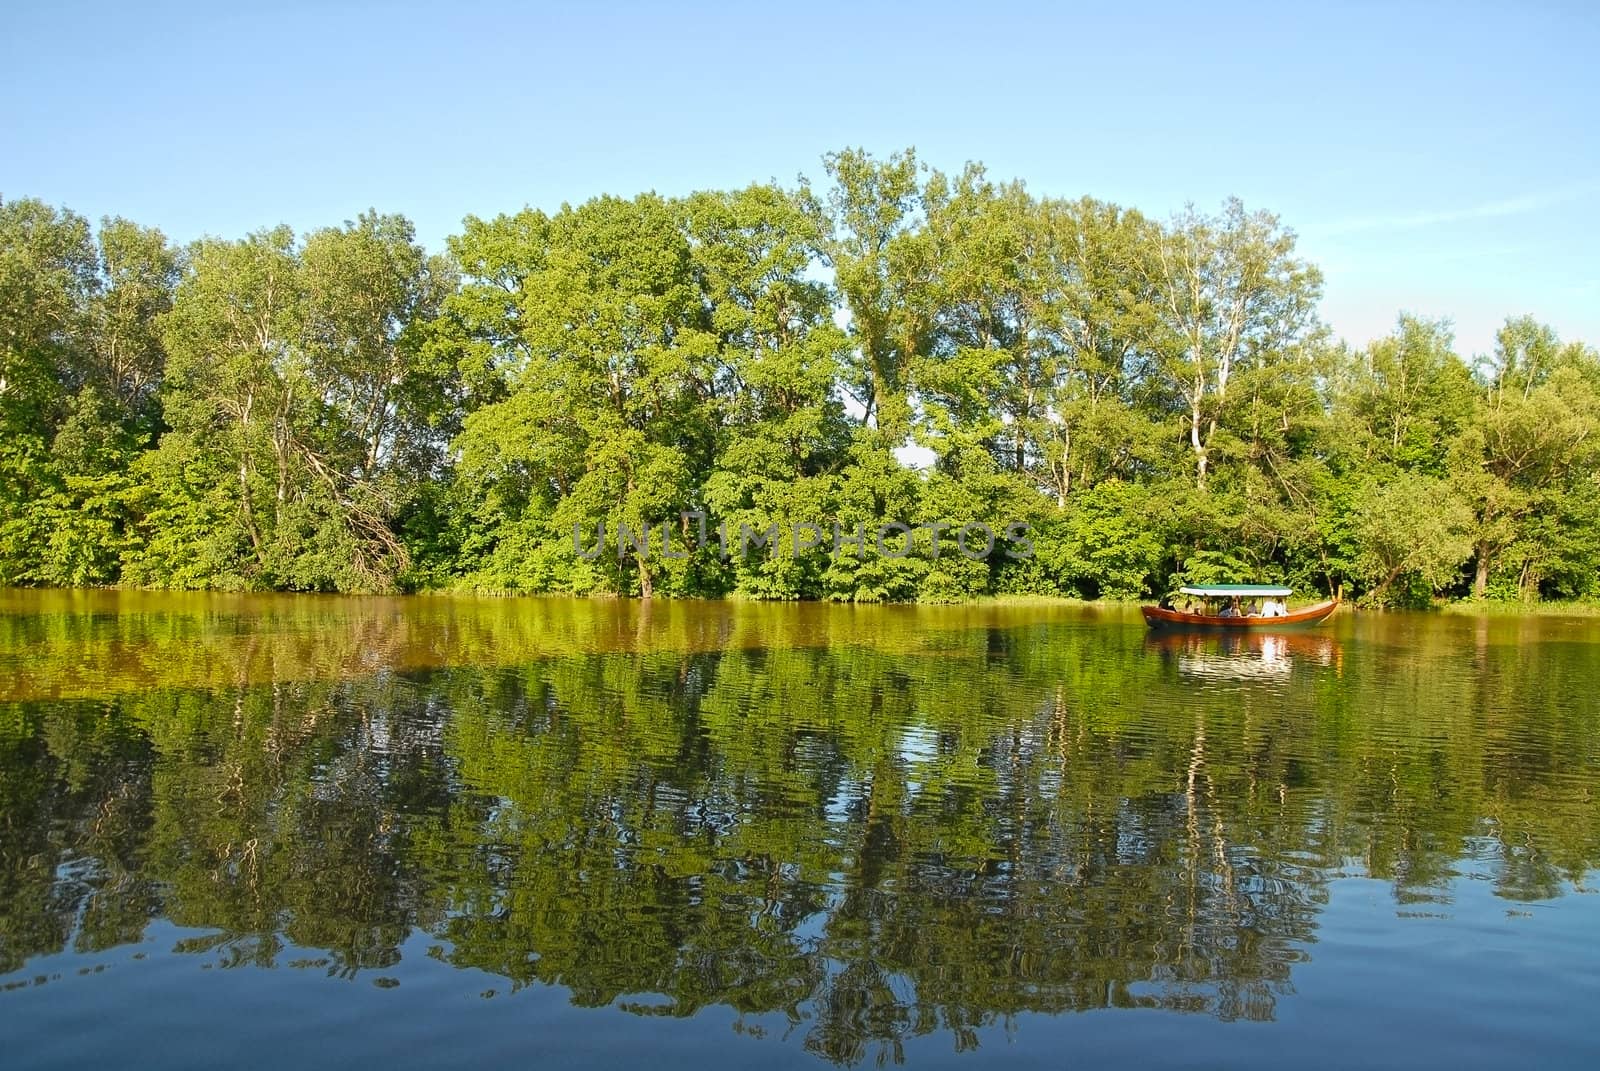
(270, 831)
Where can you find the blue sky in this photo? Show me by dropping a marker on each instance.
(1436, 157)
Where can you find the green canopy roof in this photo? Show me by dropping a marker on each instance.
(1243, 591)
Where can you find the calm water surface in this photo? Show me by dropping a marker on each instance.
(276, 831)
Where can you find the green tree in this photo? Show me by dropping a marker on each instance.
(1414, 527)
(48, 279)
(1232, 297)
(141, 271)
(1538, 425)
(610, 368)
(881, 263)
(303, 374)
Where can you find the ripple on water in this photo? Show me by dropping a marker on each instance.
(728, 834)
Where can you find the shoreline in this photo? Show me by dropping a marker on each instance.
(1458, 607)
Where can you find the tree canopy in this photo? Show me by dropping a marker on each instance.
(598, 400)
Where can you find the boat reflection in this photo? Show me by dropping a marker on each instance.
(1242, 656)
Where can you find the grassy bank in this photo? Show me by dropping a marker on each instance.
(1491, 608)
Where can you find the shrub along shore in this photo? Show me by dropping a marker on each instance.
(1157, 400)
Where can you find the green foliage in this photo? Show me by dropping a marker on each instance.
(1157, 401)
(1415, 530)
(1206, 567)
(1105, 544)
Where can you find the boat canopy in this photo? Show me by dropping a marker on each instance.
(1243, 591)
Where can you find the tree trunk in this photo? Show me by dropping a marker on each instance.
(1528, 583)
(1198, 445)
(247, 508)
(1377, 593)
(1480, 578)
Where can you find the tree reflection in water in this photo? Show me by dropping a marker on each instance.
(875, 824)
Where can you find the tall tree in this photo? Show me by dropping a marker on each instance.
(1406, 397)
(1100, 332)
(141, 272)
(882, 266)
(609, 366)
(47, 278)
(1232, 296)
(232, 376)
(371, 294)
(1537, 424)
(306, 374)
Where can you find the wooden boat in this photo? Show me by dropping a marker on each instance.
(1216, 595)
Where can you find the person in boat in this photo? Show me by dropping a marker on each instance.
(1232, 609)
(1275, 608)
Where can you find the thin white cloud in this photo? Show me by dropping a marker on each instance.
(1509, 206)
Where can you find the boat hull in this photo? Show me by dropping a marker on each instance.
(1156, 617)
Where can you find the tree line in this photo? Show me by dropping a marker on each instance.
(1157, 400)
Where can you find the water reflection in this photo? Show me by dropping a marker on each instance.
(1244, 656)
(872, 824)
